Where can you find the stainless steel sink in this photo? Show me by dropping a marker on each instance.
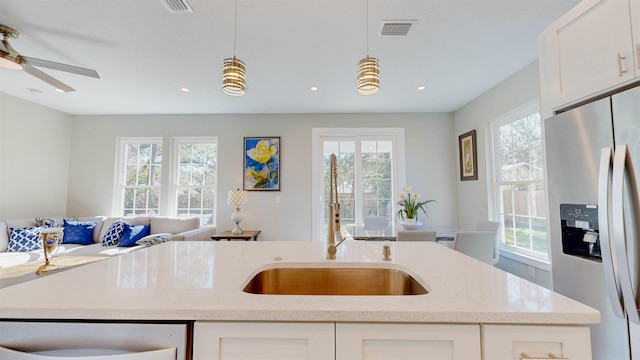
(333, 281)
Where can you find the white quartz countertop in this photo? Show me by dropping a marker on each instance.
(204, 281)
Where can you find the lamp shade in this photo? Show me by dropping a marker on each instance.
(368, 76)
(237, 197)
(234, 75)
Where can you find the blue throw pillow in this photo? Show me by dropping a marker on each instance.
(133, 233)
(78, 232)
(24, 239)
(112, 236)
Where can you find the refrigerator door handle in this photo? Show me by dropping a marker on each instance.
(606, 237)
(623, 169)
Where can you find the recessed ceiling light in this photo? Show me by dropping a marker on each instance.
(184, 89)
(314, 88)
(421, 87)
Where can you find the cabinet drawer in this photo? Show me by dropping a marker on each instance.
(108, 341)
(508, 342)
(88, 354)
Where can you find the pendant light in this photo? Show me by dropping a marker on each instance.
(368, 70)
(234, 71)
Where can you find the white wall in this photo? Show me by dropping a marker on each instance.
(34, 159)
(473, 198)
(431, 162)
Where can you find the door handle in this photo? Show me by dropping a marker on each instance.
(606, 237)
(623, 169)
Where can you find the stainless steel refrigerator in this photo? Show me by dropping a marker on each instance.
(593, 216)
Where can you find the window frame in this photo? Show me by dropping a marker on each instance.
(120, 171)
(494, 184)
(319, 135)
(174, 167)
(167, 201)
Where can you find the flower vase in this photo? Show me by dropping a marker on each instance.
(411, 224)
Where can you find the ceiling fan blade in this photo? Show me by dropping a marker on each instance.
(48, 79)
(62, 67)
(3, 48)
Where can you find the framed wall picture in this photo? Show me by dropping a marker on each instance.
(468, 156)
(261, 163)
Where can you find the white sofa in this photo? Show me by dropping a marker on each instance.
(181, 230)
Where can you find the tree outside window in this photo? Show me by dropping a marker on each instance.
(519, 184)
(140, 192)
(196, 180)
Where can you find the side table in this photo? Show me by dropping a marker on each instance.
(246, 235)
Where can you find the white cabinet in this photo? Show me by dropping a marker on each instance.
(509, 342)
(588, 51)
(341, 341)
(269, 340)
(407, 341)
(373, 341)
(21, 340)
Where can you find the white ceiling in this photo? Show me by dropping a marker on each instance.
(144, 54)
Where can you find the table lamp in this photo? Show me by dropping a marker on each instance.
(237, 197)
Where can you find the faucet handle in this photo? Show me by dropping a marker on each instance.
(386, 252)
(332, 249)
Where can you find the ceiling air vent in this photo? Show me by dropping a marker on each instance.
(396, 27)
(177, 6)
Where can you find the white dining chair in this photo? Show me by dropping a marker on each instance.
(494, 226)
(376, 222)
(479, 245)
(416, 235)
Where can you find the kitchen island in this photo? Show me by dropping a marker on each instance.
(201, 284)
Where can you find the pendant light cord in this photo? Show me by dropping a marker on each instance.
(235, 27)
(367, 32)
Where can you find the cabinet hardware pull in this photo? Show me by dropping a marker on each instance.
(524, 356)
(638, 55)
(620, 70)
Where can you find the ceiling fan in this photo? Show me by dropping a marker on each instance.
(11, 59)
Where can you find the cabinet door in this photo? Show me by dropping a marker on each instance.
(407, 341)
(508, 342)
(634, 5)
(586, 52)
(278, 341)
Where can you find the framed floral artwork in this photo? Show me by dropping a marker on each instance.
(261, 163)
(468, 156)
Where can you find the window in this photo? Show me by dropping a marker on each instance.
(141, 170)
(370, 170)
(518, 182)
(138, 191)
(195, 180)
